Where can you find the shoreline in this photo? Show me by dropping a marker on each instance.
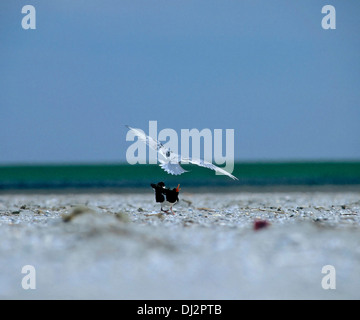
(120, 247)
(199, 189)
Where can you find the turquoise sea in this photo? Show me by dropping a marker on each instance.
(80, 176)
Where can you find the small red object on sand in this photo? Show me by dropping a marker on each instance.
(260, 224)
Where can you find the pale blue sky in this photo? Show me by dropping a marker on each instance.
(267, 69)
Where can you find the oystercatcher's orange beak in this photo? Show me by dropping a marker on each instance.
(178, 189)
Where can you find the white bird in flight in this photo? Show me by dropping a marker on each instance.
(171, 161)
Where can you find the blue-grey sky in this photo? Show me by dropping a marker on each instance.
(289, 88)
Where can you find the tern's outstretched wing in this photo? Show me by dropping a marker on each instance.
(151, 142)
(172, 168)
(208, 165)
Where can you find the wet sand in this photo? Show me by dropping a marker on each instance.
(117, 246)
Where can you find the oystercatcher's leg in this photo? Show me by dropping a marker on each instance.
(172, 211)
(166, 211)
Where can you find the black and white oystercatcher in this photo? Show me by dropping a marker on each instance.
(166, 196)
(172, 196)
(159, 193)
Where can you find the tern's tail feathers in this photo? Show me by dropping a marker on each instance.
(172, 168)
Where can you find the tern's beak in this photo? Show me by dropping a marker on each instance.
(178, 188)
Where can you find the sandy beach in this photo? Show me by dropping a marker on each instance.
(118, 246)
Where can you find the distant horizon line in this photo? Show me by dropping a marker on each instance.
(121, 163)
